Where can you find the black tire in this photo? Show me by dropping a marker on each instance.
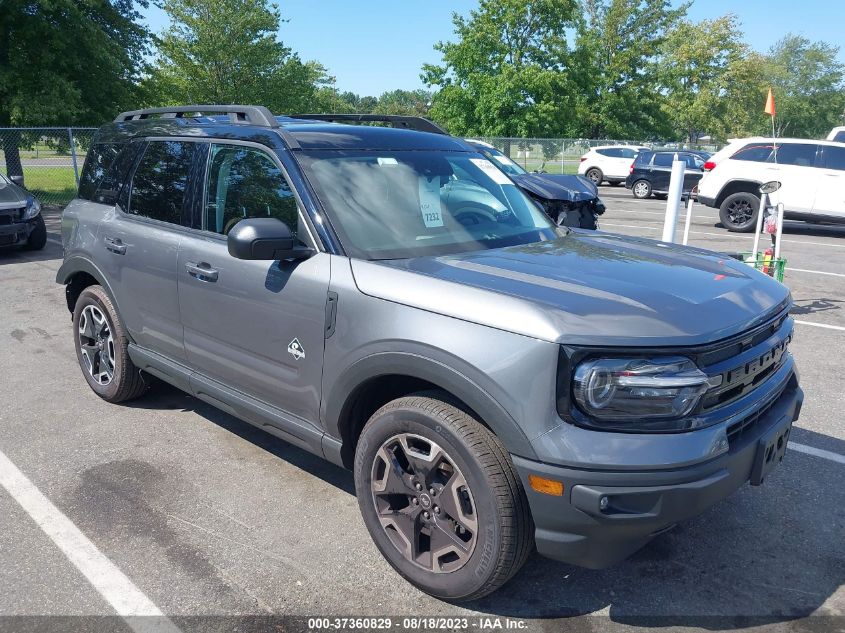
(38, 238)
(738, 212)
(126, 380)
(504, 531)
(595, 175)
(641, 189)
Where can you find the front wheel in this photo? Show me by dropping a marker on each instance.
(595, 175)
(38, 238)
(738, 212)
(441, 498)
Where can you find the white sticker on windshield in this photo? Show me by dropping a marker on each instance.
(430, 202)
(387, 160)
(496, 174)
(503, 160)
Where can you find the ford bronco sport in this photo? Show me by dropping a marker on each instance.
(495, 382)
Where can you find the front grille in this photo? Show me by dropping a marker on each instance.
(9, 217)
(736, 430)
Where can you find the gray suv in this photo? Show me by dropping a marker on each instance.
(387, 298)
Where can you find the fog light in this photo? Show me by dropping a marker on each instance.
(546, 486)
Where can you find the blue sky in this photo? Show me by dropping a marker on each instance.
(372, 46)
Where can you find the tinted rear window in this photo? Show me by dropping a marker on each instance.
(798, 154)
(756, 152)
(834, 157)
(840, 136)
(663, 160)
(161, 181)
(97, 163)
(610, 152)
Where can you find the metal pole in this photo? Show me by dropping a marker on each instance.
(562, 156)
(673, 202)
(764, 204)
(73, 156)
(688, 220)
(779, 233)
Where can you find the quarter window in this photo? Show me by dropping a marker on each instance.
(97, 163)
(756, 153)
(161, 181)
(663, 160)
(244, 182)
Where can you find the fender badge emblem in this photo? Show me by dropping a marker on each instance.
(296, 350)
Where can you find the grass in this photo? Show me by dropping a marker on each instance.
(51, 185)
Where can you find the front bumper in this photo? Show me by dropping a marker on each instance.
(16, 233)
(642, 503)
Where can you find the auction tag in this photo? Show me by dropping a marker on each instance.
(496, 174)
(430, 202)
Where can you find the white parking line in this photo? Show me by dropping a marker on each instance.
(817, 452)
(815, 272)
(822, 325)
(124, 597)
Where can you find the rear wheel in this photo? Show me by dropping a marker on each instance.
(738, 212)
(441, 498)
(102, 348)
(595, 175)
(641, 189)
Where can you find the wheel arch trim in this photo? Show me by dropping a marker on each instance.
(78, 264)
(339, 400)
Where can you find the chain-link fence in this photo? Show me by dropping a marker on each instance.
(47, 161)
(562, 155)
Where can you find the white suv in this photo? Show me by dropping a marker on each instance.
(811, 173)
(609, 163)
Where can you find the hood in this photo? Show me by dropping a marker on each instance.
(557, 187)
(586, 288)
(11, 196)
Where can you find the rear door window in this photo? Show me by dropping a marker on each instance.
(160, 182)
(798, 154)
(610, 152)
(834, 157)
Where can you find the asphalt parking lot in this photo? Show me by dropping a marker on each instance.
(208, 516)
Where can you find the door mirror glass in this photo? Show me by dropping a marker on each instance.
(264, 239)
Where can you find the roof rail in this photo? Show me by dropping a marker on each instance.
(253, 115)
(408, 122)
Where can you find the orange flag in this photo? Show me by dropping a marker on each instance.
(770, 104)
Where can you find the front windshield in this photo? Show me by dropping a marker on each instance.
(399, 204)
(504, 163)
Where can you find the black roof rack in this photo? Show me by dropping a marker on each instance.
(408, 122)
(253, 115)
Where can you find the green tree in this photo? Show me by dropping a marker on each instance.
(227, 51)
(504, 76)
(807, 79)
(616, 65)
(65, 62)
(408, 102)
(696, 75)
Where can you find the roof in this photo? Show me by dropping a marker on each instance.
(297, 133)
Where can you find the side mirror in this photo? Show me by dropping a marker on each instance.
(769, 187)
(264, 239)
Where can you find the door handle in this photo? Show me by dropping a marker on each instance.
(201, 271)
(115, 245)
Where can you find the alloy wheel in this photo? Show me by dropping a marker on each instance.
(740, 212)
(424, 503)
(96, 344)
(641, 189)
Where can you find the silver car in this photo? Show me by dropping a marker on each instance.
(392, 301)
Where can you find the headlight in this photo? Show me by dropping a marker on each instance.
(33, 208)
(620, 389)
